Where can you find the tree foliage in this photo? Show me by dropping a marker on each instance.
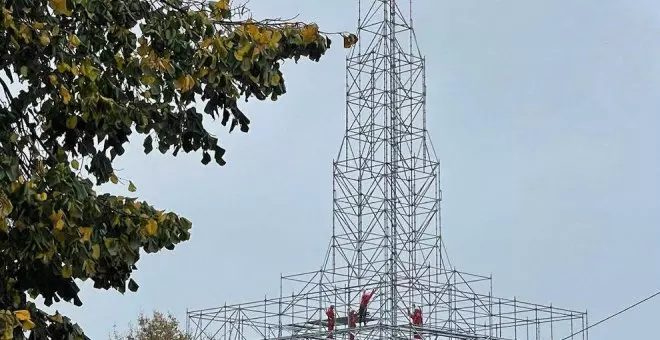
(157, 327)
(86, 75)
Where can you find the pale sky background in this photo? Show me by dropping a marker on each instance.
(544, 114)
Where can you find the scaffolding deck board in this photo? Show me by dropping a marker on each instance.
(338, 321)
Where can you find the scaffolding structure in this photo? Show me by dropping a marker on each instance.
(386, 224)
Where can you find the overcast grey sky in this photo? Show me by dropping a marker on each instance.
(544, 114)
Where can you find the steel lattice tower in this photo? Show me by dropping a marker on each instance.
(386, 223)
(386, 193)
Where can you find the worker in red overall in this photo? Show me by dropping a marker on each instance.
(352, 321)
(362, 312)
(330, 313)
(416, 318)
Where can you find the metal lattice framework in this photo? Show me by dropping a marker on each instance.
(386, 224)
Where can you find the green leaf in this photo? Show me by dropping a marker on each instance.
(6, 206)
(217, 154)
(206, 158)
(96, 251)
(148, 144)
(71, 122)
(131, 186)
(132, 285)
(67, 271)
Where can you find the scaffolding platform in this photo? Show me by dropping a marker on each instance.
(405, 329)
(452, 309)
(339, 321)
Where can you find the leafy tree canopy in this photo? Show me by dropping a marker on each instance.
(86, 75)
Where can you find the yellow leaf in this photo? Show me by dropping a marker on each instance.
(206, 43)
(71, 122)
(114, 179)
(47, 255)
(67, 271)
(220, 46)
(119, 60)
(44, 39)
(96, 251)
(7, 19)
(350, 40)
(275, 79)
(22, 314)
(148, 79)
(25, 32)
(253, 31)
(73, 40)
(8, 333)
(57, 318)
(131, 186)
(161, 216)
(66, 96)
(264, 37)
(166, 65)
(75, 164)
(143, 49)
(88, 70)
(53, 79)
(309, 33)
(151, 227)
(89, 267)
(41, 197)
(63, 67)
(275, 39)
(56, 216)
(39, 25)
(203, 72)
(59, 6)
(28, 325)
(5, 205)
(185, 83)
(222, 5)
(86, 234)
(256, 52)
(59, 225)
(240, 53)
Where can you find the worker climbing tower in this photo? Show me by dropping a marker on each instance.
(386, 224)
